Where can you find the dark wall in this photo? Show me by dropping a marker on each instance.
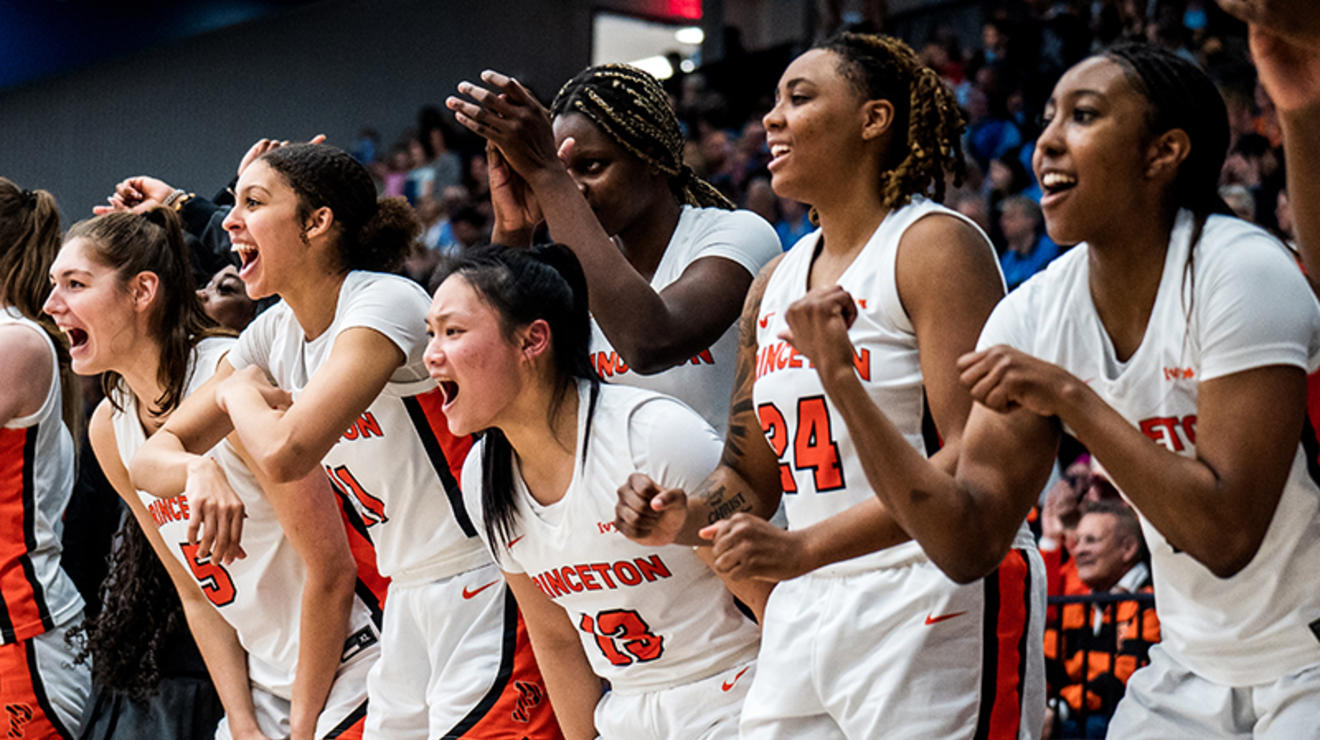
(187, 112)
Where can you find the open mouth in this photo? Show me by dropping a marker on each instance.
(1053, 183)
(248, 255)
(450, 390)
(77, 337)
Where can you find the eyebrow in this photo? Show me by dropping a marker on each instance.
(71, 271)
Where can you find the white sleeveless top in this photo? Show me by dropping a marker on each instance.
(260, 595)
(396, 464)
(704, 382)
(819, 467)
(649, 617)
(1251, 308)
(36, 481)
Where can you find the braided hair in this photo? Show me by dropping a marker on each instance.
(928, 124)
(1181, 96)
(632, 109)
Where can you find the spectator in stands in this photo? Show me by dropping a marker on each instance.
(761, 199)
(1094, 648)
(1027, 248)
(794, 222)
(1240, 200)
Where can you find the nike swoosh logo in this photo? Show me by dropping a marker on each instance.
(514, 541)
(729, 684)
(469, 594)
(765, 320)
(933, 619)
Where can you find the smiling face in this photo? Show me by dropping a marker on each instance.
(1103, 553)
(620, 188)
(91, 304)
(1091, 158)
(265, 230)
(226, 301)
(815, 129)
(478, 367)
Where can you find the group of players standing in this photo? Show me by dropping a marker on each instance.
(879, 385)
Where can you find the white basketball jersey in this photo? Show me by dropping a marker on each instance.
(649, 617)
(705, 382)
(260, 595)
(36, 480)
(820, 470)
(395, 463)
(1251, 308)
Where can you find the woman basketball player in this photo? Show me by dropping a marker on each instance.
(861, 130)
(347, 342)
(509, 349)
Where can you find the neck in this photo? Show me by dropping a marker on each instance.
(1125, 269)
(643, 243)
(851, 212)
(314, 300)
(140, 372)
(546, 446)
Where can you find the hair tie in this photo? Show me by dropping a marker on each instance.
(29, 198)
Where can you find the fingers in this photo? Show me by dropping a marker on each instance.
(565, 152)
(318, 139)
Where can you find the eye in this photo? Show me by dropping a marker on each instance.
(251, 202)
(452, 331)
(1084, 115)
(798, 98)
(591, 166)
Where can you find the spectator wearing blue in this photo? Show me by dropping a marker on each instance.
(1028, 249)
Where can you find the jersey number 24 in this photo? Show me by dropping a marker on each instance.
(814, 447)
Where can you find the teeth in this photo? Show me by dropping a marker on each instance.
(778, 149)
(243, 249)
(1057, 179)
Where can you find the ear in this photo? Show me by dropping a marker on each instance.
(1131, 548)
(1166, 154)
(319, 222)
(143, 288)
(877, 117)
(535, 339)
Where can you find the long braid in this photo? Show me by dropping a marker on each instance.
(632, 109)
(928, 124)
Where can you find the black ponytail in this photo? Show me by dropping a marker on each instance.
(523, 285)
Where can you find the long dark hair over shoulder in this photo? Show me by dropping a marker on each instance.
(523, 285)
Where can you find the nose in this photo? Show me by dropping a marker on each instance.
(1050, 140)
(433, 357)
(202, 295)
(231, 221)
(53, 302)
(774, 119)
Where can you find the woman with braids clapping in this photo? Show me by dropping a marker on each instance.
(868, 634)
(668, 261)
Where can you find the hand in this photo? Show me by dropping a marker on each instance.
(1003, 378)
(252, 734)
(516, 208)
(818, 328)
(1063, 504)
(264, 145)
(216, 513)
(1294, 19)
(648, 514)
(254, 378)
(747, 546)
(511, 118)
(1289, 70)
(136, 195)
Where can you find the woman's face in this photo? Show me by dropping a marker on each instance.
(1090, 159)
(477, 366)
(90, 303)
(226, 300)
(265, 230)
(808, 131)
(620, 188)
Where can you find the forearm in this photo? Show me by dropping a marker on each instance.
(225, 658)
(326, 603)
(861, 530)
(574, 688)
(629, 311)
(1301, 144)
(725, 492)
(160, 466)
(266, 432)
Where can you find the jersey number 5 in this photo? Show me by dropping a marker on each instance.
(615, 628)
(212, 577)
(814, 447)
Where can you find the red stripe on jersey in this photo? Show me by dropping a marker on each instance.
(445, 451)
(27, 709)
(372, 586)
(22, 605)
(1011, 586)
(454, 448)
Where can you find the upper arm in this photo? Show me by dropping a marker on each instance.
(360, 364)
(547, 623)
(949, 282)
(101, 434)
(198, 422)
(746, 451)
(25, 374)
(702, 303)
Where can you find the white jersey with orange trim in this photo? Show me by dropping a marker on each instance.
(36, 481)
(259, 595)
(704, 382)
(820, 469)
(649, 618)
(397, 463)
(1246, 307)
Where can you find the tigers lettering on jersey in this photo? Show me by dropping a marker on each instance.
(364, 428)
(608, 364)
(781, 355)
(569, 579)
(1174, 433)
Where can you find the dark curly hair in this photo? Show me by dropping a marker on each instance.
(373, 234)
(632, 109)
(928, 125)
